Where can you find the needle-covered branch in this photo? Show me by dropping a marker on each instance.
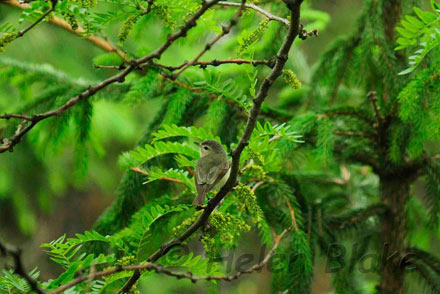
(281, 59)
(356, 217)
(430, 260)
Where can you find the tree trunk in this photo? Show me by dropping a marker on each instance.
(394, 192)
(391, 13)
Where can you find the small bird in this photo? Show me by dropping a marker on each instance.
(212, 169)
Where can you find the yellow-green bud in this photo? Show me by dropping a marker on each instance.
(6, 39)
(291, 79)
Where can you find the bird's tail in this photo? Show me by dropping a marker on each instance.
(200, 199)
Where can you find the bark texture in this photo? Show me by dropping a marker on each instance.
(394, 191)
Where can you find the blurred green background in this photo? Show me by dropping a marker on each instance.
(46, 192)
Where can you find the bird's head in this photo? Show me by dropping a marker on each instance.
(210, 147)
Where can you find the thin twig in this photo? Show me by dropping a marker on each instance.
(373, 98)
(15, 115)
(292, 214)
(260, 10)
(24, 31)
(103, 44)
(215, 62)
(225, 31)
(15, 253)
(257, 185)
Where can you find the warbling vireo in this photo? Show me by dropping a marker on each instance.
(212, 169)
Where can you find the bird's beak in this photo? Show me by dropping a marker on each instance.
(197, 143)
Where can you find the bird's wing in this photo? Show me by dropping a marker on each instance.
(200, 174)
(217, 173)
(206, 180)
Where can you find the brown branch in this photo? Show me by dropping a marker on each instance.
(257, 185)
(161, 270)
(292, 215)
(372, 96)
(148, 9)
(281, 59)
(104, 45)
(225, 31)
(215, 62)
(15, 253)
(8, 144)
(15, 115)
(260, 10)
(24, 31)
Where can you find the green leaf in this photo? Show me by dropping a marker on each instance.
(149, 217)
(425, 16)
(179, 175)
(170, 131)
(148, 152)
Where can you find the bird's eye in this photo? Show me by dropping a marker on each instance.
(206, 148)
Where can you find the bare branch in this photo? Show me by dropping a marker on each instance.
(24, 31)
(260, 10)
(373, 98)
(215, 62)
(103, 44)
(13, 115)
(292, 215)
(15, 253)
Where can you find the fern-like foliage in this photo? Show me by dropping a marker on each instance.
(65, 251)
(226, 89)
(175, 174)
(148, 152)
(139, 232)
(282, 131)
(420, 33)
(170, 131)
(14, 284)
